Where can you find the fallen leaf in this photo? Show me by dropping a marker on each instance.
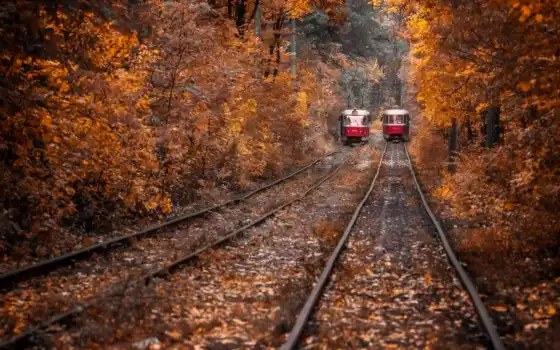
(499, 308)
(238, 321)
(427, 279)
(175, 335)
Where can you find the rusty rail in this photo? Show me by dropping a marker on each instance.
(308, 308)
(27, 338)
(315, 294)
(10, 279)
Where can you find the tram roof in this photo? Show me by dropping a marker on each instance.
(395, 111)
(355, 112)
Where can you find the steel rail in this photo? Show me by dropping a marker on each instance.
(485, 318)
(9, 279)
(17, 341)
(315, 294)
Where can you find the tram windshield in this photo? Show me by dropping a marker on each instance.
(395, 119)
(354, 120)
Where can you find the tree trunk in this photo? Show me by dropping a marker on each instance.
(275, 46)
(240, 10)
(492, 123)
(451, 167)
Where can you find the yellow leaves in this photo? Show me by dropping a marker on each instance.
(143, 103)
(301, 104)
(470, 70)
(251, 106)
(244, 111)
(161, 202)
(297, 8)
(525, 13)
(481, 107)
(151, 205)
(166, 206)
(261, 147)
(444, 191)
(551, 310)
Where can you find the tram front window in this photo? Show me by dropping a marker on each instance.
(354, 120)
(394, 119)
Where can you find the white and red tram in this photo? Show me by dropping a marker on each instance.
(354, 126)
(396, 124)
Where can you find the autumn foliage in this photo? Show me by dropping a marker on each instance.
(471, 55)
(114, 109)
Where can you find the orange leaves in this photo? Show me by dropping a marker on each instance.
(112, 127)
(163, 203)
(174, 334)
(525, 13)
(525, 87)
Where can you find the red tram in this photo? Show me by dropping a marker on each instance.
(396, 124)
(354, 126)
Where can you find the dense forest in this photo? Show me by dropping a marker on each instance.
(138, 136)
(115, 110)
(120, 110)
(491, 67)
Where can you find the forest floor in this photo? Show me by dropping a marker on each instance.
(520, 291)
(245, 294)
(74, 238)
(392, 287)
(103, 274)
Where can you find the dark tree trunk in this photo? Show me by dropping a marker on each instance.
(255, 9)
(470, 133)
(452, 146)
(275, 46)
(240, 9)
(492, 123)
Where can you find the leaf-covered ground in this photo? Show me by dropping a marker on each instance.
(246, 294)
(39, 298)
(393, 286)
(521, 290)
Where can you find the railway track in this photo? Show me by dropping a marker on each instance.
(318, 303)
(10, 279)
(28, 336)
